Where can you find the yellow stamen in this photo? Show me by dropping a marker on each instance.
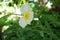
(27, 16)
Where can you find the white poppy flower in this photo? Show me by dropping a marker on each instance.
(27, 15)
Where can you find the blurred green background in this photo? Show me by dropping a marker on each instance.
(46, 28)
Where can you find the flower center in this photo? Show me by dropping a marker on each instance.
(27, 16)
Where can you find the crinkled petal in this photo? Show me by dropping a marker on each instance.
(32, 16)
(22, 23)
(25, 7)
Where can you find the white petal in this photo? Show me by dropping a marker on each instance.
(25, 7)
(5, 28)
(31, 16)
(36, 19)
(28, 22)
(22, 23)
(48, 5)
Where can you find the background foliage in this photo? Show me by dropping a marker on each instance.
(46, 28)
